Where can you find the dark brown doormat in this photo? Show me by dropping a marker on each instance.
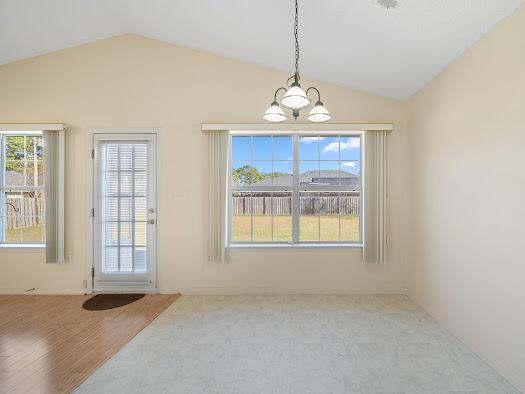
(101, 302)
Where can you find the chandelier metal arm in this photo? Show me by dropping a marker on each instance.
(318, 94)
(275, 94)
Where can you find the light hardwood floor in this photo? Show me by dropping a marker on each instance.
(49, 344)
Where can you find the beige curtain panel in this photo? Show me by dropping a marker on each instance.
(374, 196)
(217, 180)
(54, 194)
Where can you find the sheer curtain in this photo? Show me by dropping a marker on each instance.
(218, 142)
(54, 194)
(375, 194)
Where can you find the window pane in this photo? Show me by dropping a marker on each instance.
(126, 263)
(241, 148)
(282, 148)
(14, 148)
(141, 183)
(329, 148)
(141, 157)
(329, 173)
(140, 208)
(32, 229)
(126, 235)
(13, 216)
(34, 148)
(111, 259)
(111, 238)
(140, 259)
(13, 232)
(282, 216)
(126, 157)
(350, 179)
(140, 233)
(241, 216)
(242, 173)
(309, 148)
(309, 216)
(261, 216)
(349, 208)
(126, 183)
(110, 183)
(126, 210)
(262, 148)
(329, 216)
(111, 208)
(282, 173)
(261, 173)
(350, 148)
(14, 173)
(308, 172)
(351, 167)
(34, 173)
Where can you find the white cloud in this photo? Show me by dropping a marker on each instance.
(311, 140)
(350, 164)
(350, 143)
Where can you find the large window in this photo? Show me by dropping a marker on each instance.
(21, 189)
(295, 189)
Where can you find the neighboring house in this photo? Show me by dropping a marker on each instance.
(323, 177)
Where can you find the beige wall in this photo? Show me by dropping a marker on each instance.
(130, 81)
(467, 139)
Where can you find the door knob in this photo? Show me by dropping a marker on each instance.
(151, 221)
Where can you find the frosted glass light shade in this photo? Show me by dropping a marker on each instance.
(319, 114)
(274, 114)
(295, 98)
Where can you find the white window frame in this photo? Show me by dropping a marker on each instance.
(4, 188)
(295, 189)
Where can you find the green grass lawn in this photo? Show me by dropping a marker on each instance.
(311, 228)
(28, 234)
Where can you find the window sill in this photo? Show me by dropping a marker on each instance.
(22, 246)
(294, 246)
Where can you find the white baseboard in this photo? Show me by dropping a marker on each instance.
(42, 291)
(478, 349)
(198, 290)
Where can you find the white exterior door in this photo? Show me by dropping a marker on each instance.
(125, 213)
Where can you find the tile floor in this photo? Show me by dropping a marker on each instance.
(295, 344)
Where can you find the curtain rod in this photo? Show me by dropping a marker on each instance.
(297, 127)
(31, 126)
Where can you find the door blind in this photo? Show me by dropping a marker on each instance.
(123, 198)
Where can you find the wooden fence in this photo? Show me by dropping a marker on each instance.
(346, 204)
(30, 208)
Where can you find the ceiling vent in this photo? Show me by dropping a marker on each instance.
(388, 4)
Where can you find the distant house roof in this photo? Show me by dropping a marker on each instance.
(326, 177)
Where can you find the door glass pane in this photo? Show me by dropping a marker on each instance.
(123, 190)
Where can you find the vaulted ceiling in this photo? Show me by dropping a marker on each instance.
(350, 42)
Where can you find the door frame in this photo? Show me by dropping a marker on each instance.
(91, 201)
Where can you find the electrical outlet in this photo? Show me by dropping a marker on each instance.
(67, 259)
(84, 284)
(180, 196)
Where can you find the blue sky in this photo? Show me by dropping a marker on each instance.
(326, 153)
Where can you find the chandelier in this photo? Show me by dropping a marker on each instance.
(295, 98)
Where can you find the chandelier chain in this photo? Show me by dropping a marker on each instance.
(296, 33)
